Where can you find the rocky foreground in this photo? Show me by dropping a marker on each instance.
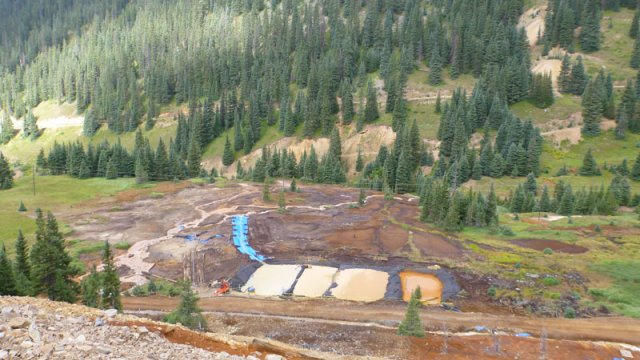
(40, 329)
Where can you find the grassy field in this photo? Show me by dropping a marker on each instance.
(617, 46)
(54, 193)
(610, 262)
(564, 106)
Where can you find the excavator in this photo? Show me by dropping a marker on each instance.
(221, 287)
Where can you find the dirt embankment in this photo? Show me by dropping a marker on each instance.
(614, 329)
(368, 141)
(533, 23)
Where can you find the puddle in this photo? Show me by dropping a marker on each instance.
(361, 285)
(272, 280)
(430, 286)
(315, 281)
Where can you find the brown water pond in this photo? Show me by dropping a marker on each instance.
(430, 286)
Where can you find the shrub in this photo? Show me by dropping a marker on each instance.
(506, 231)
(550, 281)
(569, 312)
(547, 251)
(139, 291)
(597, 229)
(491, 292)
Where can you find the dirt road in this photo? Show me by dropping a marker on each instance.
(614, 329)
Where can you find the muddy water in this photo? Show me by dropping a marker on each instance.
(315, 280)
(430, 286)
(272, 280)
(361, 285)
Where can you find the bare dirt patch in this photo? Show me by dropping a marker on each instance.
(533, 23)
(540, 244)
(549, 66)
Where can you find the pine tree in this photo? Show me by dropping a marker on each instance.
(188, 313)
(579, 78)
(590, 33)
(22, 266)
(140, 172)
(567, 202)
(90, 287)
(8, 283)
(635, 170)
(438, 109)
(227, 157)
(293, 187)
(51, 269)
(371, 113)
(635, 24)
(412, 324)
(110, 280)
(6, 175)
(635, 55)
(359, 162)
(589, 166)
(435, 68)
(6, 128)
(112, 171)
(591, 111)
(564, 78)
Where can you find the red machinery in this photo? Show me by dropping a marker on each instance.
(223, 289)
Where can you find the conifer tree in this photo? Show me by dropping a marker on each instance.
(188, 313)
(141, 173)
(635, 55)
(227, 157)
(564, 78)
(635, 170)
(51, 269)
(8, 283)
(412, 324)
(110, 280)
(589, 166)
(592, 110)
(579, 78)
(371, 113)
(359, 161)
(22, 266)
(6, 128)
(90, 287)
(6, 175)
(438, 109)
(567, 202)
(590, 33)
(635, 24)
(435, 68)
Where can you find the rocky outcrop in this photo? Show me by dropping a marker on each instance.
(41, 329)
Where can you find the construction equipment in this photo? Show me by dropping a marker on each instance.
(223, 287)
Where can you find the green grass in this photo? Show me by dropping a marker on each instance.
(616, 47)
(26, 151)
(55, 193)
(51, 109)
(563, 107)
(622, 296)
(605, 148)
(417, 81)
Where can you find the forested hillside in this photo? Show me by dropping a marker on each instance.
(239, 71)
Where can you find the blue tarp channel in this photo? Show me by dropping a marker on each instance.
(239, 231)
